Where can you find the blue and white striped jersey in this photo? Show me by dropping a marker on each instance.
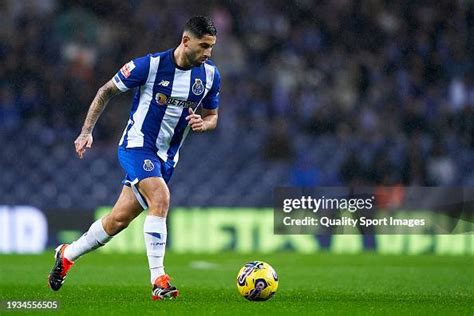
(160, 105)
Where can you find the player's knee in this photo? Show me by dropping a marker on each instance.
(159, 205)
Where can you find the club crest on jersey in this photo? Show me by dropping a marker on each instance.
(198, 87)
(161, 99)
(148, 165)
(126, 70)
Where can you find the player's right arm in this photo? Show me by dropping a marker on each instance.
(104, 94)
(131, 75)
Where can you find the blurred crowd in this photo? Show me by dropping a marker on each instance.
(390, 82)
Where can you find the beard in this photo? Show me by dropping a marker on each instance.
(193, 59)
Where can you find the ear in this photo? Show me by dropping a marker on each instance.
(185, 40)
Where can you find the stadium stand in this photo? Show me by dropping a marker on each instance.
(313, 93)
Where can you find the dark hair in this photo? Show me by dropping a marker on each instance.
(200, 26)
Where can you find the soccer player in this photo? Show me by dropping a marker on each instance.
(171, 85)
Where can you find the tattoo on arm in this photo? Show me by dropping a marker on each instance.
(104, 94)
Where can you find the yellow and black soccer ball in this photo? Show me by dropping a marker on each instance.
(257, 281)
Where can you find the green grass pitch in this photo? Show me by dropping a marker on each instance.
(323, 283)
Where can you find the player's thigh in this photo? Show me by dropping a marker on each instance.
(126, 208)
(156, 192)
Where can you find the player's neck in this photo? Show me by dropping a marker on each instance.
(180, 58)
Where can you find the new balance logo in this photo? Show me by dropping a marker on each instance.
(164, 83)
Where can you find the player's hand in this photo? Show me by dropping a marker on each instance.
(83, 141)
(195, 121)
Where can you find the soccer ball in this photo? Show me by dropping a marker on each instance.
(257, 281)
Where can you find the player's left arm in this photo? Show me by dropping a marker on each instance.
(205, 122)
(210, 105)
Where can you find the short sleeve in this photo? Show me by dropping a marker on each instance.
(132, 74)
(211, 101)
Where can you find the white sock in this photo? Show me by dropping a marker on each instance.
(94, 238)
(155, 233)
